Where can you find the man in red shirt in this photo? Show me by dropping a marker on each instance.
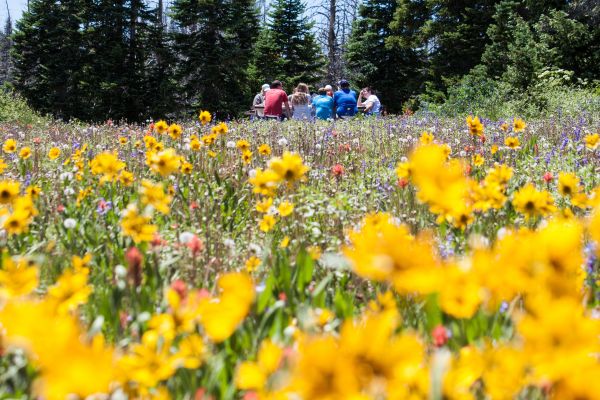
(275, 99)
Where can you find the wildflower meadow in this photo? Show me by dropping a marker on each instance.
(401, 257)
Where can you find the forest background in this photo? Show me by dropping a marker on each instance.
(132, 60)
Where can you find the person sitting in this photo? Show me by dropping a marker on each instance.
(300, 101)
(258, 103)
(371, 104)
(275, 100)
(329, 90)
(323, 105)
(344, 101)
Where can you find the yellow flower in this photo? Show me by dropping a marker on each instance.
(154, 195)
(165, 162)
(161, 127)
(494, 149)
(107, 164)
(403, 170)
(191, 351)
(247, 157)
(592, 141)
(264, 149)
(530, 202)
(9, 191)
(242, 145)
(204, 117)
(264, 182)
(221, 316)
(384, 251)
(54, 153)
(289, 167)
(70, 291)
(460, 294)
(18, 278)
(209, 139)
(249, 376)
(285, 208)
(149, 362)
(211, 154)
(478, 160)
(221, 129)
(195, 145)
(314, 252)
(518, 125)
(149, 141)
(158, 146)
(123, 141)
(25, 153)
(126, 178)
(475, 126)
(504, 127)
(426, 138)
(284, 242)
(263, 206)
(267, 223)
(175, 131)
(137, 226)
(252, 264)
(10, 146)
(17, 222)
(512, 142)
(3, 165)
(186, 168)
(568, 184)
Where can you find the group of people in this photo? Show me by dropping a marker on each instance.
(274, 103)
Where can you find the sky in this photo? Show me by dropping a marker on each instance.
(16, 8)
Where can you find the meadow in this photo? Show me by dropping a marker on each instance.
(404, 257)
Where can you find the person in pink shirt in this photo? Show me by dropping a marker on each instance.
(275, 100)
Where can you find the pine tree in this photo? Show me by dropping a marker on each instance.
(381, 52)
(6, 62)
(500, 32)
(48, 53)
(213, 44)
(287, 49)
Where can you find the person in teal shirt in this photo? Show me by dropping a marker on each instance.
(323, 105)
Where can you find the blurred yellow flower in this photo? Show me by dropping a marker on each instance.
(54, 153)
(154, 195)
(9, 191)
(264, 150)
(161, 127)
(10, 146)
(426, 138)
(204, 117)
(285, 208)
(568, 184)
(17, 278)
(252, 264)
(592, 141)
(267, 223)
(25, 153)
(512, 142)
(175, 131)
(137, 226)
(475, 126)
(289, 167)
(165, 162)
(519, 125)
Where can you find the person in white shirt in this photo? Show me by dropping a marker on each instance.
(371, 104)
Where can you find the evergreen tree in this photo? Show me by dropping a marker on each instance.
(287, 50)
(48, 54)
(500, 32)
(6, 63)
(383, 52)
(213, 43)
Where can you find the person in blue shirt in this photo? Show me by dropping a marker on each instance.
(323, 105)
(344, 100)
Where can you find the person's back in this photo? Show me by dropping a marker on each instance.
(323, 105)
(274, 99)
(344, 100)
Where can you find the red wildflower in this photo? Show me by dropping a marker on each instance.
(180, 287)
(337, 170)
(548, 177)
(439, 336)
(134, 260)
(195, 245)
(402, 183)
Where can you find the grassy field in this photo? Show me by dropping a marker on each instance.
(411, 257)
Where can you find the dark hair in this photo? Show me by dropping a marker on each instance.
(344, 84)
(322, 91)
(275, 84)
